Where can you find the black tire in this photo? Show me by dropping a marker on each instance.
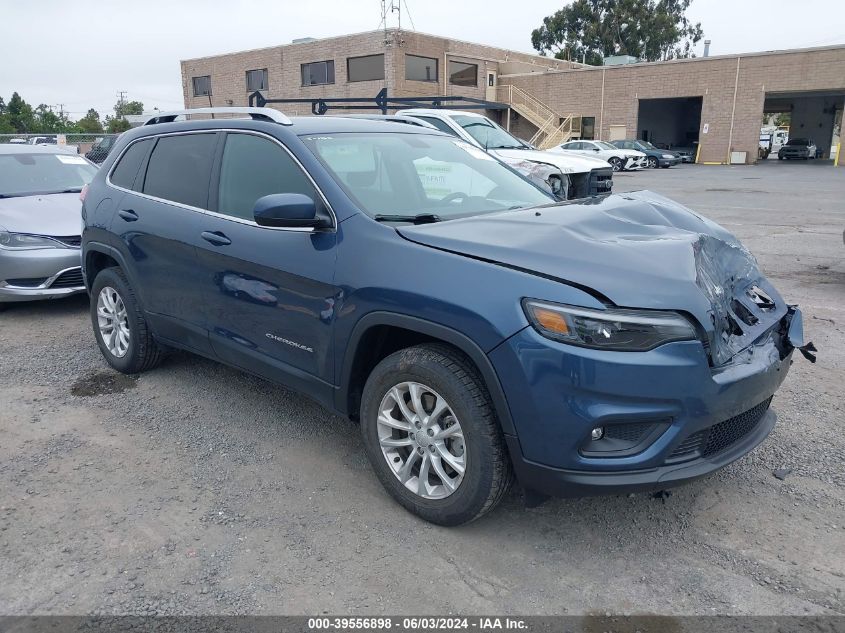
(143, 353)
(616, 163)
(488, 472)
(652, 162)
(780, 157)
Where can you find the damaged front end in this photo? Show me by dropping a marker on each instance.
(745, 307)
(544, 175)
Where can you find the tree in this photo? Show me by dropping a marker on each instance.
(593, 29)
(122, 108)
(116, 125)
(90, 123)
(20, 115)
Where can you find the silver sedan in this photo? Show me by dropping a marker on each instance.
(40, 222)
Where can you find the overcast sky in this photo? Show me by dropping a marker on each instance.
(81, 53)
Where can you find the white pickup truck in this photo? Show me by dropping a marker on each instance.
(568, 176)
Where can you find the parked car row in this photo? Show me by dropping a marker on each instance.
(476, 325)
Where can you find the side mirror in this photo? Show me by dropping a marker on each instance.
(289, 210)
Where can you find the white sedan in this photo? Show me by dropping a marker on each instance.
(618, 158)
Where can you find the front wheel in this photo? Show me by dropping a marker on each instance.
(119, 324)
(432, 436)
(616, 163)
(652, 162)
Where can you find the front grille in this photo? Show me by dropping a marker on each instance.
(719, 437)
(26, 283)
(601, 181)
(69, 279)
(69, 240)
(627, 432)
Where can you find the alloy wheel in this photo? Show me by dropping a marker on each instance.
(113, 321)
(421, 440)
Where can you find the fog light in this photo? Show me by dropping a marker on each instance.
(597, 433)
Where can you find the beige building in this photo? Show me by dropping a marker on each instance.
(713, 105)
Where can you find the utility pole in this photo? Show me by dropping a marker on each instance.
(121, 100)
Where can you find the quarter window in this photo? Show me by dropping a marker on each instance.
(367, 68)
(254, 167)
(180, 169)
(256, 80)
(463, 74)
(318, 73)
(127, 168)
(420, 68)
(202, 86)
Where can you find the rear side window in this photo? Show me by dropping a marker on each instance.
(126, 170)
(440, 125)
(180, 169)
(254, 167)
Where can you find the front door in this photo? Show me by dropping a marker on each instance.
(491, 86)
(269, 293)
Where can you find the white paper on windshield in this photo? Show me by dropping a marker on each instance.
(71, 160)
(473, 151)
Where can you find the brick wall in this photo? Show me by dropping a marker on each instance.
(714, 79)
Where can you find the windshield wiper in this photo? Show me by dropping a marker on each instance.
(420, 218)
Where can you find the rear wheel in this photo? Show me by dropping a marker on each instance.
(652, 162)
(432, 436)
(119, 324)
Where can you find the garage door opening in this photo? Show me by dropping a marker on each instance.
(815, 116)
(670, 123)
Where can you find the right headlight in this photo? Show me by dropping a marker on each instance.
(24, 241)
(612, 329)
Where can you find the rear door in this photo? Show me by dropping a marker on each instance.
(157, 222)
(268, 292)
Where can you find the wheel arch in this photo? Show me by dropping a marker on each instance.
(367, 345)
(98, 256)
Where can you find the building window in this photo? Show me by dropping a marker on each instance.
(318, 73)
(256, 80)
(463, 74)
(202, 86)
(368, 68)
(420, 68)
(588, 127)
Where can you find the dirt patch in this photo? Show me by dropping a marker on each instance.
(102, 383)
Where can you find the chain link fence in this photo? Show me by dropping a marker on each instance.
(95, 147)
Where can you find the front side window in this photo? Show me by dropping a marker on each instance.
(180, 169)
(368, 68)
(318, 73)
(256, 80)
(488, 134)
(254, 167)
(28, 174)
(202, 86)
(463, 74)
(412, 174)
(420, 68)
(126, 170)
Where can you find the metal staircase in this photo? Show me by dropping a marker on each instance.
(552, 128)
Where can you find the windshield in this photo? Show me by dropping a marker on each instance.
(646, 144)
(488, 134)
(415, 174)
(31, 174)
(604, 145)
(798, 141)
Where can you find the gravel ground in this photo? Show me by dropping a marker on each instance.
(198, 489)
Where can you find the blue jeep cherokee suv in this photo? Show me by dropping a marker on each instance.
(476, 327)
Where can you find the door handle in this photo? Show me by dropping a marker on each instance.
(215, 237)
(128, 214)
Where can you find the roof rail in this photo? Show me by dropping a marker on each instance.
(260, 114)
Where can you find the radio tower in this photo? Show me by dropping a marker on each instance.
(388, 8)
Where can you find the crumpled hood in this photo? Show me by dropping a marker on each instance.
(637, 250)
(58, 214)
(567, 163)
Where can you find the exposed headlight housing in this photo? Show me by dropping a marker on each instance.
(25, 241)
(611, 329)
